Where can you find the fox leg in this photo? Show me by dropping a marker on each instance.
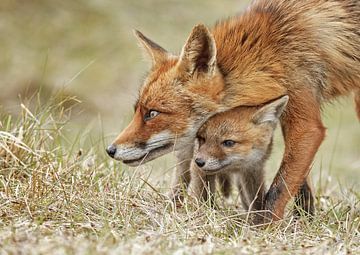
(357, 103)
(305, 200)
(303, 133)
(201, 187)
(181, 178)
(196, 187)
(252, 191)
(225, 184)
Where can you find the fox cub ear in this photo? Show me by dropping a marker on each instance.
(199, 51)
(156, 53)
(271, 112)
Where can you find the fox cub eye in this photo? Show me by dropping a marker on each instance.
(228, 143)
(150, 115)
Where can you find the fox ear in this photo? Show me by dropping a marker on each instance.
(199, 51)
(153, 50)
(271, 112)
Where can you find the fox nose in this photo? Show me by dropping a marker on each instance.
(200, 162)
(111, 150)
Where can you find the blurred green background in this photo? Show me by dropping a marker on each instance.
(88, 48)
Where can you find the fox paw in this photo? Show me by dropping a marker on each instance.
(263, 218)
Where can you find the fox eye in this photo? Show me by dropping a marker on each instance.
(228, 143)
(150, 115)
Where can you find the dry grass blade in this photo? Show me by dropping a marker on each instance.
(54, 198)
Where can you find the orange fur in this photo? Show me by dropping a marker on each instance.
(309, 50)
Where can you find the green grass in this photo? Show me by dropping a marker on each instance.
(60, 193)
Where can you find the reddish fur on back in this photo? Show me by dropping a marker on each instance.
(309, 50)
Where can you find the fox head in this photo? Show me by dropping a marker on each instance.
(238, 138)
(177, 97)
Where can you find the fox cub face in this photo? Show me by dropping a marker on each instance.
(237, 138)
(177, 97)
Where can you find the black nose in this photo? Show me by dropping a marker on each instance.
(200, 162)
(111, 150)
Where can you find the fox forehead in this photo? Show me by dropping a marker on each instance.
(161, 93)
(235, 122)
(158, 79)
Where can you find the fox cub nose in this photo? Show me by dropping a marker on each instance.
(111, 150)
(200, 162)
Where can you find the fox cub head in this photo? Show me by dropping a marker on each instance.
(237, 138)
(177, 97)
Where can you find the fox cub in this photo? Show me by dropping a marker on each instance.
(235, 145)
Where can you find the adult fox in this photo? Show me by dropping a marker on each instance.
(308, 50)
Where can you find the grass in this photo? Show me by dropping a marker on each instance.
(57, 197)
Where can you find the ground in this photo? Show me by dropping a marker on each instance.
(70, 73)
